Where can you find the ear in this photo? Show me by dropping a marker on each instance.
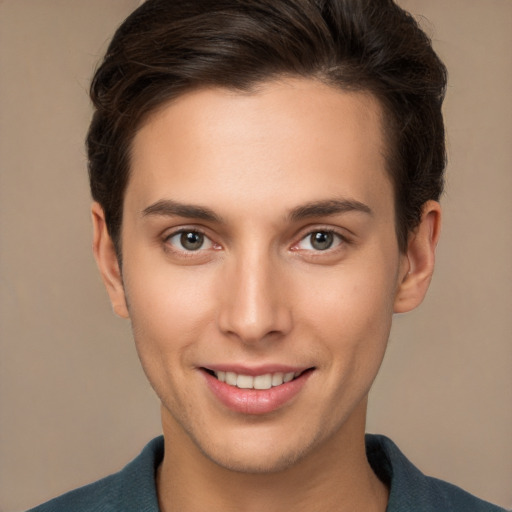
(418, 266)
(106, 259)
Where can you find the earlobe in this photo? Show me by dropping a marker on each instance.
(419, 261)
(108, 264)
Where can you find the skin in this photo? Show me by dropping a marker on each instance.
(259, 291)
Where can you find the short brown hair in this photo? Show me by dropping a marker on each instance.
(166, 48)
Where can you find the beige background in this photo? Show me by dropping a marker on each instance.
(74, 404)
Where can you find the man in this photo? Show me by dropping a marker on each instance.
(266, 177)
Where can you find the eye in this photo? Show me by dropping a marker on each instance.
(189, 241)
(321, 240)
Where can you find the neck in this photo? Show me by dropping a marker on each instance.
(334, 476)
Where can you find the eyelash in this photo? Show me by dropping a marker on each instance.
(341, 240)
(338, 240)
(183, 251)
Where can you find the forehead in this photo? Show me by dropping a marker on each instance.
(286, 141)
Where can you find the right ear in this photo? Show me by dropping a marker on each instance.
(108, 264)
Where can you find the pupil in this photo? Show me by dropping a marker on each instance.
(192, 241)
(321, 240)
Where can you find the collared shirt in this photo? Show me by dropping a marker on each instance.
(133, 488)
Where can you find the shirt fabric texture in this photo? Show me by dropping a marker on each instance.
(133, 488)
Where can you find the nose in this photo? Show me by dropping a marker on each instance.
(254, 305)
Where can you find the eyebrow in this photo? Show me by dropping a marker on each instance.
(328, 207)
(169, 208)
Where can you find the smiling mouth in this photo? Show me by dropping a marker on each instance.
(265, 381)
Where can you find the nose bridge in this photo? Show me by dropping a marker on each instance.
(254, 305)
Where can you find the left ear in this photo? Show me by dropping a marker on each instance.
(108, 264)
(419, 260)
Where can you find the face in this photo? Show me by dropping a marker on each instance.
(261, 267)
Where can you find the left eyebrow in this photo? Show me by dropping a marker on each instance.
(169, 208)
(328, 207)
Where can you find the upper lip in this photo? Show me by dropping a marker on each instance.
(256, 370)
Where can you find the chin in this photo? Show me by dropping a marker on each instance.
(252, 464)
(261, 457)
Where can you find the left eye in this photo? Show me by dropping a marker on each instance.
(320, 241)
(190, 241)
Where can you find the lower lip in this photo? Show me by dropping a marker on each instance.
(256, 401)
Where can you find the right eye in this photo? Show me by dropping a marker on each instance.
(320, 240)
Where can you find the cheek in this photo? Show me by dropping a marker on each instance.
(162, 296)
(355, 297)
(351, 310)
(357, 331)
(169, 311)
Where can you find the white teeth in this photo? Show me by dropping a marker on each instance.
(231, 378)
(245, 382)
(263, 381)
(277, 379)
(266, 381)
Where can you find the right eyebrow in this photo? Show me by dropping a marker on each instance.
(328, 207)
(170, 208)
